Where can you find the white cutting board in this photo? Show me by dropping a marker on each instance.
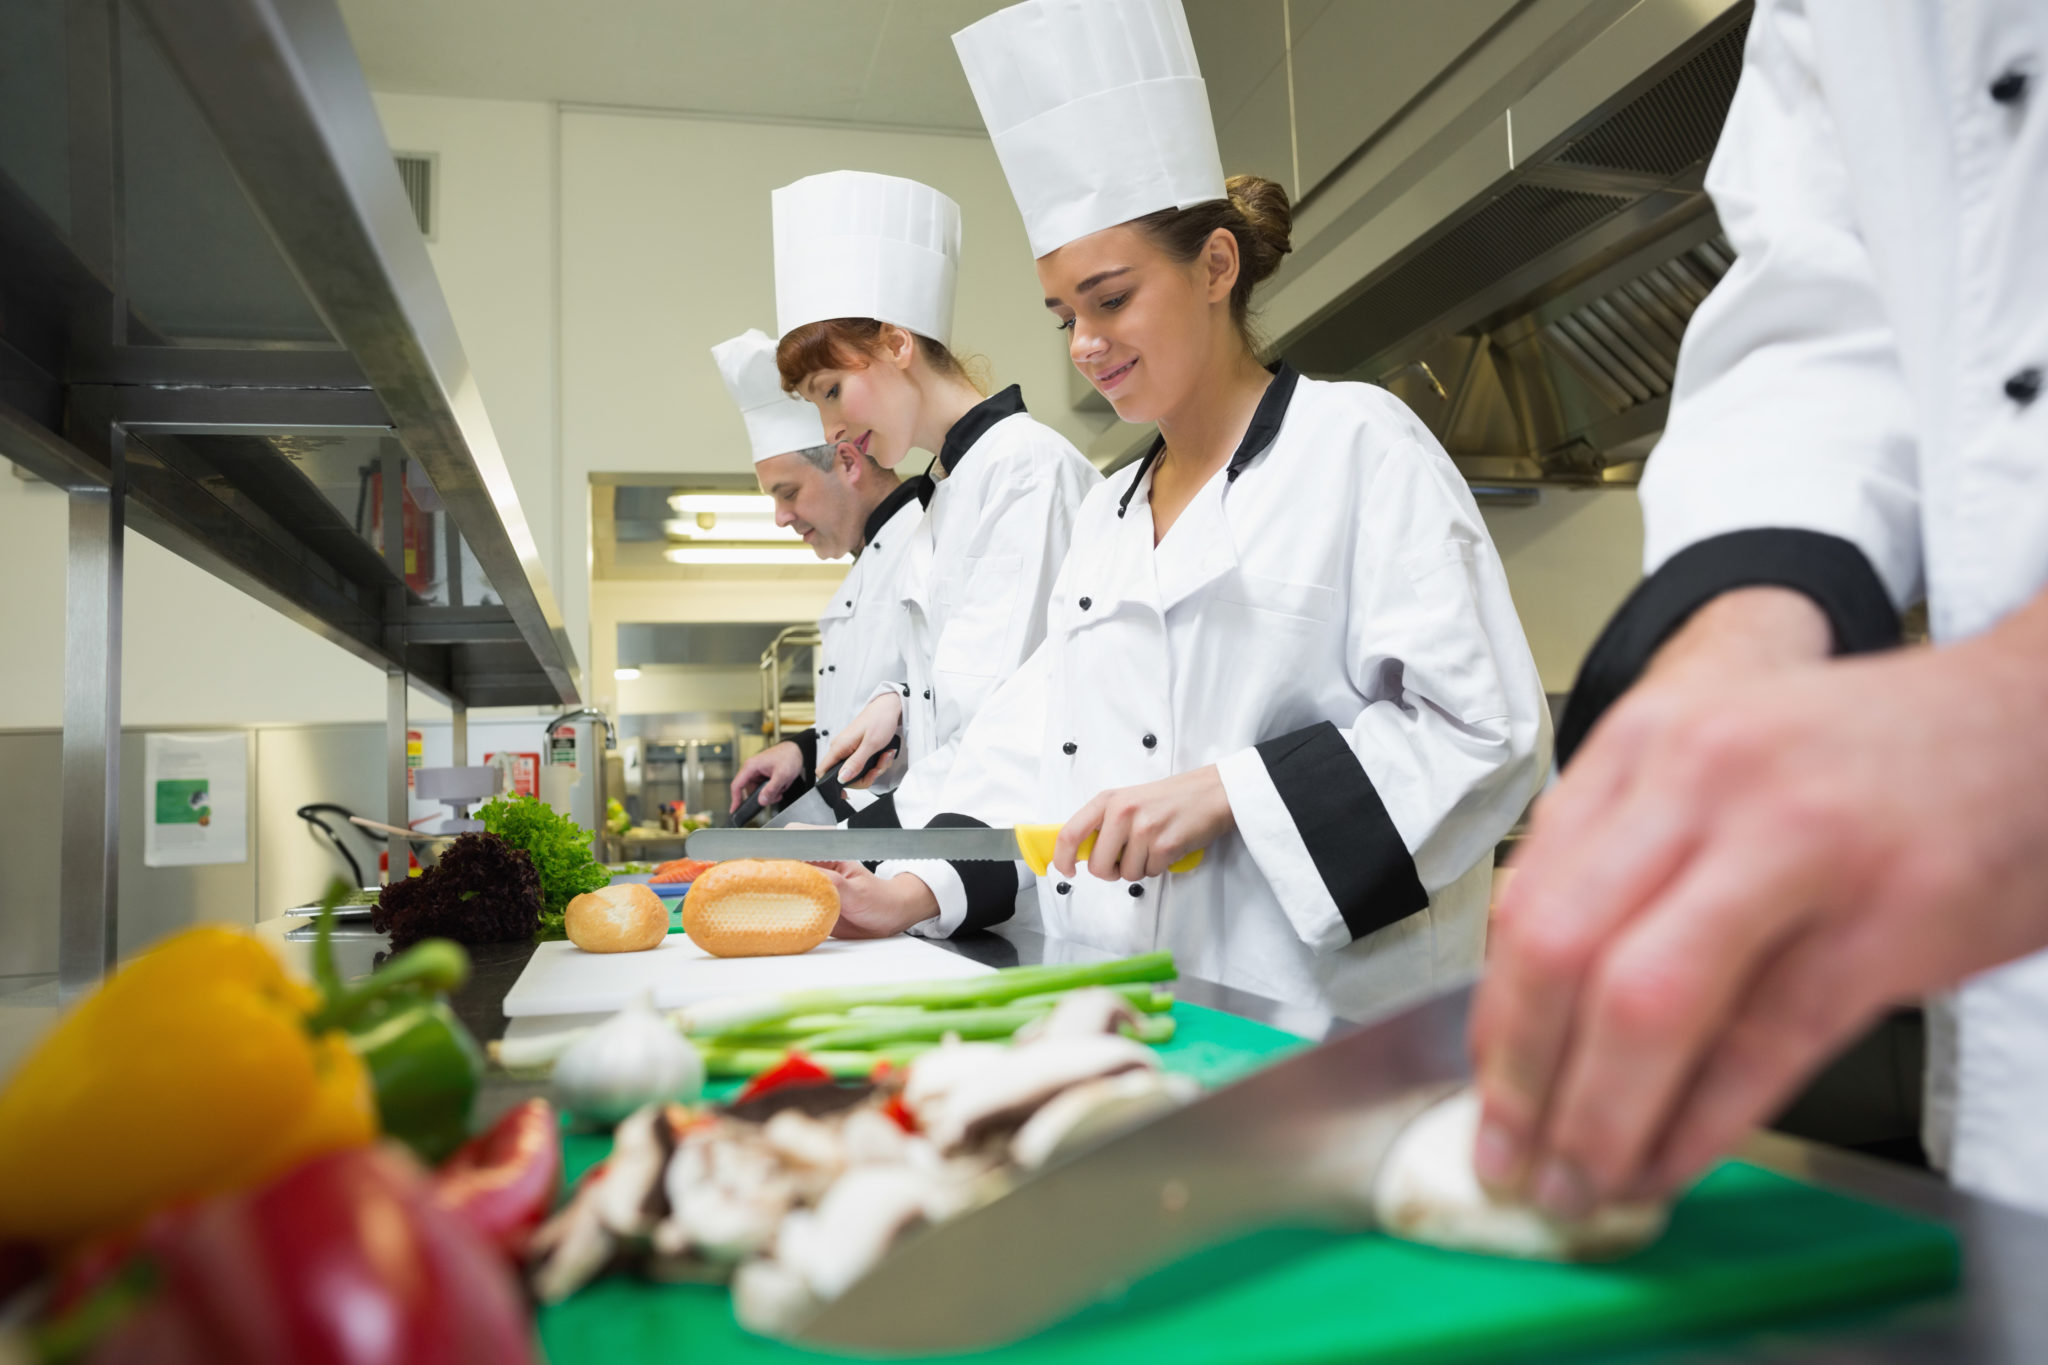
(561, 978)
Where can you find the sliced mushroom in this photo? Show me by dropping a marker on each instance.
(939, 1072)
(854, 1225)
(1010, 1087)
(801, 1140)
(630, 1199)
(1088, 1113)
(770, 1298)
(571, 1248)
(1082, 1014)
(1427, 1191)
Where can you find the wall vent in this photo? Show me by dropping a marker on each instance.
(420, 172)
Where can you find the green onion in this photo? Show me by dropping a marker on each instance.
(925, 1026)
(737, 1014)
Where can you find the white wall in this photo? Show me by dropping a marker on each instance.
(1570, 560)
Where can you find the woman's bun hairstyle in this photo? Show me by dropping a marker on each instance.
(1255, 211)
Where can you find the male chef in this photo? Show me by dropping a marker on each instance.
(1776, 821)
(841, 502)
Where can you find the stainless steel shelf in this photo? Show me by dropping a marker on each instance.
(219, 325)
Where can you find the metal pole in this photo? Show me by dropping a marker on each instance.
(397, 805)
(458, 735)
(90, 844)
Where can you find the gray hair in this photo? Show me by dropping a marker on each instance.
(822, 457)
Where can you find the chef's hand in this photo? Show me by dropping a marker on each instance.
(1141, 831)
(861, 738)
(1755, 852)
(876, 907)
(772, 770)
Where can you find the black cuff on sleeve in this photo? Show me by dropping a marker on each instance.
(880, 815)
(806, 742)
(991, 886)
(1353, 843)
(1830, 570)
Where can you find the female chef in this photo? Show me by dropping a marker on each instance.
(865, 267)
(1284, 637)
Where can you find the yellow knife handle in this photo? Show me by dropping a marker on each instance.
(1034, 843)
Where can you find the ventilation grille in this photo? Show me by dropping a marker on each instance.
(1675, 123)
(1624, 344)
(416, 170)
(1507, 234)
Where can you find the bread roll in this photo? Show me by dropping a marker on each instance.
(751, 908)
(627, 918)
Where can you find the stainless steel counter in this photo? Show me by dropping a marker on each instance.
(2000, 1314)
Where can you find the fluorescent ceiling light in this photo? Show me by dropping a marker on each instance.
(728, 526)
(734, 504)
(625, 674)
(743, 554)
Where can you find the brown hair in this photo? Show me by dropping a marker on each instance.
(839, 343)
(1255, 212)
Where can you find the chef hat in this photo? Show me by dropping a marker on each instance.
(1097, 109)
(852, 244)
(777, 422)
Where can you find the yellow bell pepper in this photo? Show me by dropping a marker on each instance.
(191, 1072)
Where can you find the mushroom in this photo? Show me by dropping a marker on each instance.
(630, 1199)
(770, 1298)
(855, 1224)
(573, 1246)
(1010, 1086)
(1427, 1191)
(1080, 1014)
(1088, 1113)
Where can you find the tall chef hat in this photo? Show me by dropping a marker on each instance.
(777, 422)
(852, 244)
(1098, 112)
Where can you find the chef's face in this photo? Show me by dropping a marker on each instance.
(1141, 326)
(872, 406)
(822, 505)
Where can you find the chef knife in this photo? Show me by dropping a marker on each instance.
(971, 843)
(815, 805)
(1295, 1144)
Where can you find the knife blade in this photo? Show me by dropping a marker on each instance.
(1296, 1143)
(1032, 844)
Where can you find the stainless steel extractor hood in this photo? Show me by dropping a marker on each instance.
(1531, 313)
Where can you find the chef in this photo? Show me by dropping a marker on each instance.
(1284, 637)
(1783, 825)
(840, 502)
(865, 273)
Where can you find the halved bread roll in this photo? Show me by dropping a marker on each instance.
(753, 908)
(627, 918)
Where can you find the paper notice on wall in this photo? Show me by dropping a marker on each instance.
(195, 799)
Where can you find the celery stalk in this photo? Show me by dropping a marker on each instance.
(734, 1014)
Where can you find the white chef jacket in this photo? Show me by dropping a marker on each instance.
(972, 586)
(859, 646)
(1867, 371)
(1329, 624)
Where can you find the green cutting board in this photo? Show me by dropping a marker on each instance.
(1746, 1246)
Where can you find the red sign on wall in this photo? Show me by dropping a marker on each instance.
(525, 772)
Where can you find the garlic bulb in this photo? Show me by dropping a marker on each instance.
(634, 1058)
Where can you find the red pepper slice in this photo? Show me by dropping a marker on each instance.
(504, 1182)
(793, 1070)
(899, 1112)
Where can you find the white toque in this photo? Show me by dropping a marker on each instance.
(852, 244)
(777, 422)
(1097, 110)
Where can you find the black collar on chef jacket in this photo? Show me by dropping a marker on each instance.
(1266, 419)
(974, 424)
(918, 486)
